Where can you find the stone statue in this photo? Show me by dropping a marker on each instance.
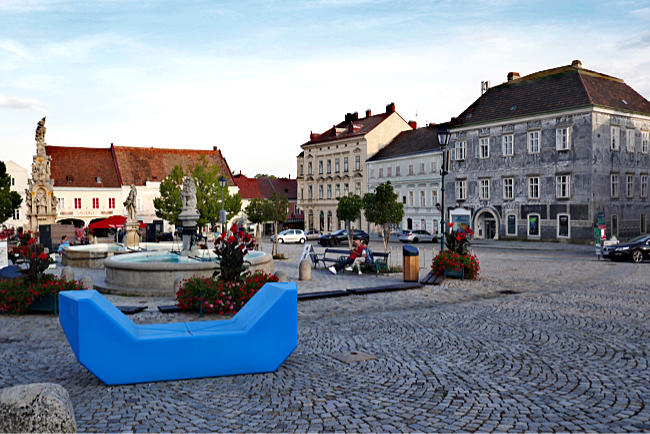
(188, 195)
(129, 203)
(40, 137)
(41, 203)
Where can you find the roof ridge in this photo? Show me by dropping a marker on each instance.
(586, 89)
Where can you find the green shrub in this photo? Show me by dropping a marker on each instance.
(219, 296)
(16, 295)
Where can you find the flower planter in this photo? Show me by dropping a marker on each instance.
(459, 274)
(47, 303)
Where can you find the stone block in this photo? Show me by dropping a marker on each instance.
(304, 269)
(38, 407)
(67, 273)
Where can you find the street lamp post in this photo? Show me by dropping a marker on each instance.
(222, 214)
(443, 140)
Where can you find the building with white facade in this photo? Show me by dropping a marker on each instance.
(19, 176)
(411, 162)
(333, 164)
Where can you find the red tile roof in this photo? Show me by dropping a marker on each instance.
(124, 165)
(250, 188)
(552, 90)
(138, 165)
(83, 167)
(348, 129)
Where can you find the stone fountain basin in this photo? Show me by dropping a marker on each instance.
(93, 255)
(154, 273)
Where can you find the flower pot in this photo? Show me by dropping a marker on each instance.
(46, 303)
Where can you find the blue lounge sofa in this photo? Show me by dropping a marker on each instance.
(116, 350)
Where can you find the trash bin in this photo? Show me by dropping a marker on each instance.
(411, 263)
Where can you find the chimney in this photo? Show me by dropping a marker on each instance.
(368, 113)
(355, 116)
(513, 76)
(312, 135)
(485, 85)
(390, 108)
(413, 124)
(576, 64)
(214, 148)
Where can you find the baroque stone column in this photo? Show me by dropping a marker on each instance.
(40, 199)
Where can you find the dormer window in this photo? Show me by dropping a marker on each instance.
(98, 179)
(68, 178)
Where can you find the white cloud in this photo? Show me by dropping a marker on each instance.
(15, 48)
(12, 102)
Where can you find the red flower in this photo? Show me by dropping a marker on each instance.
(31, 241)
(451, 225)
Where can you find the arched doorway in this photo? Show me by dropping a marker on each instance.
(322, 221)
(310, 220)
(486, 225)
(329, 221)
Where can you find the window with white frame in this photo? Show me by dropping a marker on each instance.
(533, 225)
(434, 167)
(423, 202)
(645, 137)
(357, 162)
(484, 147)
(563, 226)
(397, 170)
(329, 191)
(410, 169)
(337, 191)
(461, 189)
(644, 185)
(16, 215)
(629, 185)
(421, 168)
(563, 186)
(629, 143)
(533, 187)
(533, 141)
(329, 166)
(615, 144)
(461, 150)
(310, 192)
(301, 169)
(389, 172)
(345, 164)
(507, 144)
(60, 205)
(511, 224)
(320, 167)
(508, 188)
(381, 172)
(346, 189)
(434, 197)
(410, 198)
(337, 165)
(484, 188)
(613, 183)
(309, 168)
(563, 138)
(320, 191)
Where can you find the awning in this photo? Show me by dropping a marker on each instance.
(112, 222)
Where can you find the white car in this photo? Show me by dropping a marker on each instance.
(291, 236)
(417, 236)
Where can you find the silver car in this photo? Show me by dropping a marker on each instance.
(313, 234)
(291, 236)
(417, 236)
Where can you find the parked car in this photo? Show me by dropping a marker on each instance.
(313, 234)
(341, 237)
(636, 249)
(417, 236)
(290, 236)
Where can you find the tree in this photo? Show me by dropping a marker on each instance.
(349, 209)
(168, 204)
(256, 212)
(208, 194)
(263, 175)
(276, 210)
(383, 209)
(9, 200)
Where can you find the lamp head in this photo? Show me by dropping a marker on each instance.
(222, 181)
(443, 136)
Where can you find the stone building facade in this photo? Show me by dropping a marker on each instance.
(548, 155)
(333, 164)
(411, 162)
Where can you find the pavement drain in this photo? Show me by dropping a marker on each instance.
(508, 291)
(353, 356)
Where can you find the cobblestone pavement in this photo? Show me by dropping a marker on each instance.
(568, 351)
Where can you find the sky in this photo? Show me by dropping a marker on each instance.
(254, 78)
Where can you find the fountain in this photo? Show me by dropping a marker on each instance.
(154, 273)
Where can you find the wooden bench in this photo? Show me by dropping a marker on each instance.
(380, 259)
(380, 262)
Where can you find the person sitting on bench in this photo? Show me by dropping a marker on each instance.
(360, 259)
(354, 254)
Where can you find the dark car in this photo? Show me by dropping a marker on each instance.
(636, 249)
(341, 237)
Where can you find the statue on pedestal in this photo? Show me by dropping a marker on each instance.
(41, 202)
(129, 203)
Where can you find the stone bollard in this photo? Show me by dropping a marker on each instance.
(67, 273)
(281, 275)
(177, 284)
(38, 407)
(87, 282)
(304, 270)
